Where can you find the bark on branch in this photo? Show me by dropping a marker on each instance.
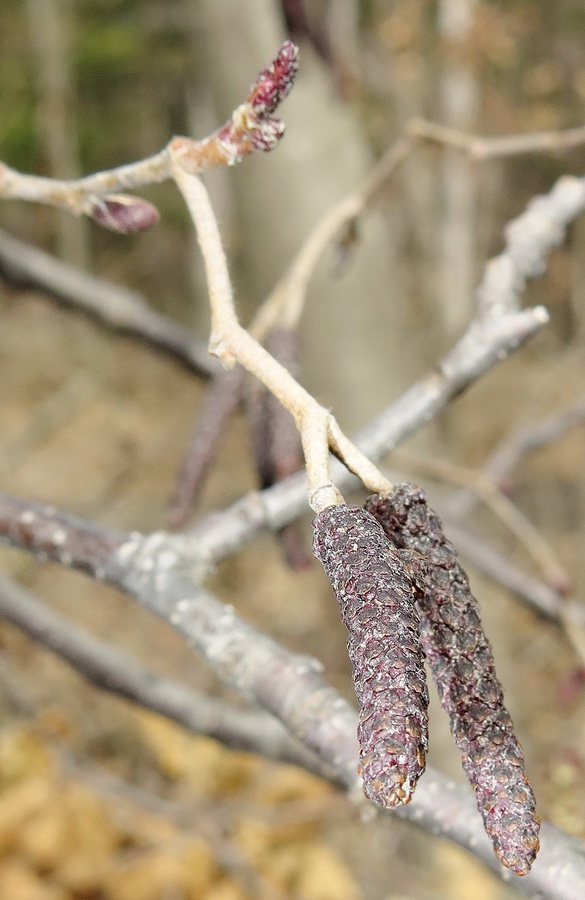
(154, 570)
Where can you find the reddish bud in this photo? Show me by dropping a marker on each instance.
(274, 83)
(267, 135)
(124, 214)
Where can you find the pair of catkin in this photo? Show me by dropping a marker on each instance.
(404, 595)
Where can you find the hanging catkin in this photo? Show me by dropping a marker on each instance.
(377, 606)
(462, 664)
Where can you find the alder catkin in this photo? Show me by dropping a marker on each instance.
(377, 606)
(463, 668)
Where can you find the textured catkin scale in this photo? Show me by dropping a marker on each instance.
(462, 664)
(377, 606)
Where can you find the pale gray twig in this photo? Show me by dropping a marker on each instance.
(117, 672)
(484, 148)
(498, 331)
(482, 347)
(519, 442)
(117, 307)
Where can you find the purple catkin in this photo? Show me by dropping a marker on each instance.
(463, 668)
(376, 598)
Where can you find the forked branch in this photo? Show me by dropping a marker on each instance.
(163, 572)
(231, 344)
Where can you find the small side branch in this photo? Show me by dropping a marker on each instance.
(251, 127)
(485, 148)
(231, 343)
(495, 334)
(479, 350)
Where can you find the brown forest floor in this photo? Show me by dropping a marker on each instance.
(100, 801)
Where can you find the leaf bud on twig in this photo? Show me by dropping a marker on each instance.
(124, 213)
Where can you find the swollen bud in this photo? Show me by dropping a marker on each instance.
(274, 83)
(267, 134)
(124, 213)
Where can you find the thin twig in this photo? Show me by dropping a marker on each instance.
(480, 483)
(118, 673)
(497, 332)
(480, 349)
(485, 148)
(116, 307)
(276, 443)
(516, 445)
(221, 401)
(231, 344)
(533, 437)
(289, 294)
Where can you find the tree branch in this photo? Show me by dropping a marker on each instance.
(116, 307)
(118, 673)
(152, 570)
(251, 127)
(499, 329)
(485, 148)
(231, 344)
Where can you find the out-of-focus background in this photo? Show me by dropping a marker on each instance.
(99, 801)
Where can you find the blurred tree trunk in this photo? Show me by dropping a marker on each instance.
(356, 356)
(50, 29)
(203, 118)
(458, 97)
(578, 281)
(409, 79)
